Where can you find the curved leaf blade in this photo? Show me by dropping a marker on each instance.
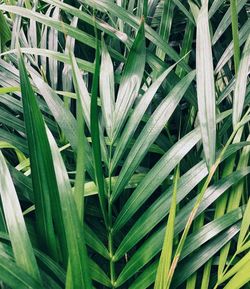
(20, 241)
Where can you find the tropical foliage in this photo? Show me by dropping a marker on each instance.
(125, 144)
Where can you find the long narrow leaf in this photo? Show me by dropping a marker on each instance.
(130, 81)
(43, 176)
(166, 254)
(107, 89)
(241, 83)
(94, 125)
(23, 252)
(205, 85)
(74, 231)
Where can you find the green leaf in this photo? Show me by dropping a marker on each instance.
(81, 88)
(186, 46)
(84, 16)
(242, 263)
(22, 248)
(226, 21)
(5, 251)
(167, 248)
(64, 118)
(45, 189)
(14, 140)
(91, 189)
(240, 279)
(205, 85)
(183, 9)
(211, 194)
(53, 45)
(239, 190)
(85, 103)
(133, 21)
(235, 198)
(94, 242)
(76, 33)
(147, 277)
(12, 121)
(235, 31)
(165, 25)
(241, 84)
(214, 7)
(156, 176)
(228, 53)
(53, 23)
(244, 230)
(150, 132)
(74, 231)
(16, 277)
(186, 269)
(130, 81)
(4, 90)
(94, 125)
(195, 240)
(5, 34)
(98, 274)
(160, 208)
(83, 64)
(136, 117)
(152, 246)
(107, 89)
(80, 155)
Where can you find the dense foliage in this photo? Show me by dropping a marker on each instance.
(125, 144)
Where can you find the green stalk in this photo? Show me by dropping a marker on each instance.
(235, 32)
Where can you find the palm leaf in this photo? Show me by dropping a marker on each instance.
(205, 85)
(23, 252)
(43, 175)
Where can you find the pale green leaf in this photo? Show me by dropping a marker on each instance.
(205, 85)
